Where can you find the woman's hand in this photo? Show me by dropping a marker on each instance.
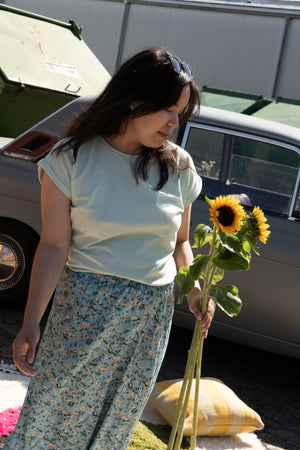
(193, 299)
(24, 348)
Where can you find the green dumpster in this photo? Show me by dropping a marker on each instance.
(240, 102)
(284, 110)
(44, 64)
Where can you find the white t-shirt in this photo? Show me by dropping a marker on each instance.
(120, 227)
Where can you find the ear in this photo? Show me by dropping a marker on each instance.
(135, 104)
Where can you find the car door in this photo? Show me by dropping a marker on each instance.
(265, 173)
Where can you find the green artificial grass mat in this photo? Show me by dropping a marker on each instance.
(148, 436)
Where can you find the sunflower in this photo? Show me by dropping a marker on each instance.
(259, 225)
(226, 213)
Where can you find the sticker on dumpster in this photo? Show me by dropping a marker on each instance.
(61, 69)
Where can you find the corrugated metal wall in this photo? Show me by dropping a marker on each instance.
(248, 48)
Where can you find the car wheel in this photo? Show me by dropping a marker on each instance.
(17, 248)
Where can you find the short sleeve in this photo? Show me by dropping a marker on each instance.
(191, 182)
(59, 168)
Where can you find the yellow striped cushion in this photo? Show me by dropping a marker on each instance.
(220, 411)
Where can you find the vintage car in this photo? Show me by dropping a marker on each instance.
(259, 161)
(251, 157)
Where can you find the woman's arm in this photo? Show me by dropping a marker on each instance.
(48, 264)
(183, 256)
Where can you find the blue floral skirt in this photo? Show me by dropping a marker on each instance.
(98, 360)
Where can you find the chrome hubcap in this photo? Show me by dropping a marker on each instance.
(12, 262)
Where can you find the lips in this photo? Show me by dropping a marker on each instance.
(164, 135)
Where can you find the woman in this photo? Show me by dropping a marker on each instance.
(116, 201)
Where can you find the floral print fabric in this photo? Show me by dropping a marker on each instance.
(97, 364)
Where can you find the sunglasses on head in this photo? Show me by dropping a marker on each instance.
(178, 65)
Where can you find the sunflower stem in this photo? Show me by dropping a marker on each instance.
(189, 373)
(197, 394)
(209, 273)
(190, 377)
(193, 363)
(179, 435)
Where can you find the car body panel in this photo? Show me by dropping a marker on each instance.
(20, 191)
(239, 122)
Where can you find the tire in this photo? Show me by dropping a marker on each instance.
(18, 243)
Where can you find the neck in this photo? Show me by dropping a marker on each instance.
(123, 144)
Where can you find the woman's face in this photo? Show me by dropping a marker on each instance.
(153, 129)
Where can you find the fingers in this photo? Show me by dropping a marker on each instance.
(31, 353)
(196, 311)
(207, 317)
(210, 311)
(193, 301)
(24, 348)
(20, 359)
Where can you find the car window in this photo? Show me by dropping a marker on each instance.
(252, 160)
(269, 170)
(206, 148)
(261, 172)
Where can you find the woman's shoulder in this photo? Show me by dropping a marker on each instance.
(67, 150)
(191, 183)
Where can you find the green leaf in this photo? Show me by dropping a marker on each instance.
(218, 276)
(231, 261)
(227, 299)
(246, 247)
(185, 282)
(246, 250)
(202, 235)
(197, 268)
(231, 243)
(252, 242)
(244, 228)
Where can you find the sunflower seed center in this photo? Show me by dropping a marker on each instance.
(226, 216)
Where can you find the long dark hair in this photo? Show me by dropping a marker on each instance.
(148, 79)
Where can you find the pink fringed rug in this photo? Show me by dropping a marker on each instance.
(8, 420)
(13, 387)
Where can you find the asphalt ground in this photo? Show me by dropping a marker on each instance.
(268, 383)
